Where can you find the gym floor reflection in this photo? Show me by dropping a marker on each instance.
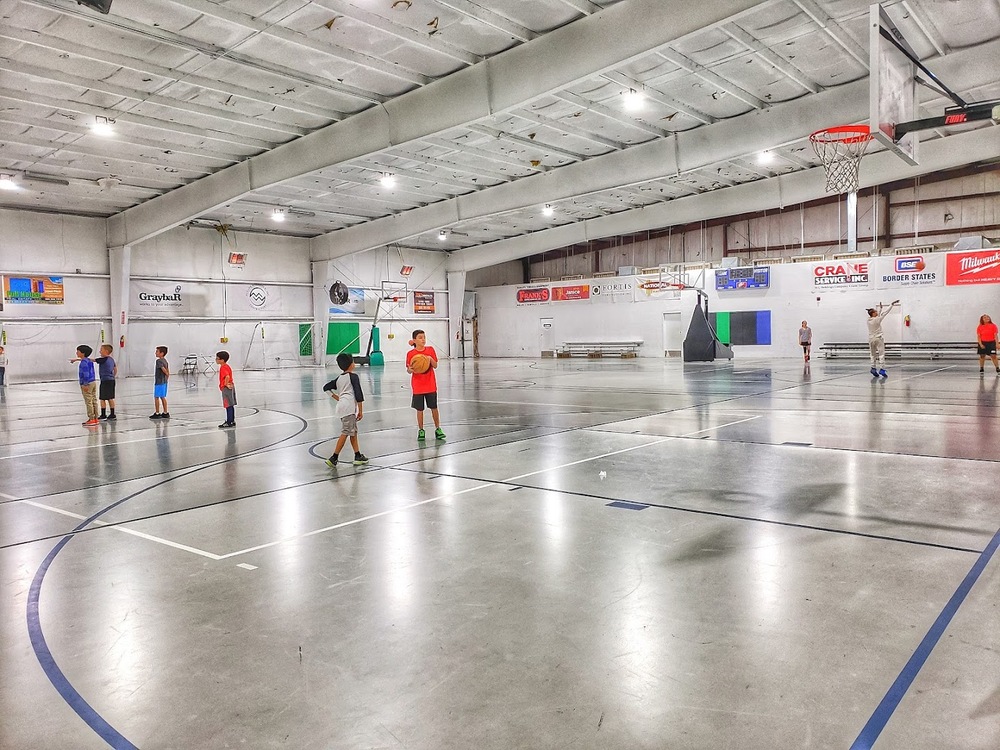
(603, 553)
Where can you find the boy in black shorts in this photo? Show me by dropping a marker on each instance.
(107, 369)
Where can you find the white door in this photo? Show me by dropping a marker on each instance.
(546, 337)
(673, 339)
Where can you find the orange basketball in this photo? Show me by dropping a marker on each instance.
(420, 363)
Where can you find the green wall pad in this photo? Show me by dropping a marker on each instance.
(305, 339)
(343, 337)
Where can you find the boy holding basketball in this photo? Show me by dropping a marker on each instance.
(345, 389)
(421, 361)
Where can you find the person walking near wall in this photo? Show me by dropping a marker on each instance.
(3, 367)
(876, 339)
(805, 340)
(986, 339)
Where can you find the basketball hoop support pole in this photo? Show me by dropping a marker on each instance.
(852, 221)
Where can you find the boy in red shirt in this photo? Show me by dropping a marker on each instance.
(424, 385)
(227, 387)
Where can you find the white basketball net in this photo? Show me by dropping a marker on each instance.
(840, 149)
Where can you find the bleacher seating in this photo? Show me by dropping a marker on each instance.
(596, 349)
(897, 350)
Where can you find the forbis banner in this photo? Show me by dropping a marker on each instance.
(977, 267)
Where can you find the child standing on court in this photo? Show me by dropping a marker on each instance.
(876, 339)
(805, 339)
(160, 376)
(227, 387)
(88, 383)
(108, 371)
(345, 389)
(424, 385)
(986, 342)
(3, 367)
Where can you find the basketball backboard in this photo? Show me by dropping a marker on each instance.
(892, 85)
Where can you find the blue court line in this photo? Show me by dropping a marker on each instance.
(871, 731)
(48, 663)
(41, 648)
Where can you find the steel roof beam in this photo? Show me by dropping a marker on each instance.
(775, 192)
(562, 58)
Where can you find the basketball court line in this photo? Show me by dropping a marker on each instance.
(894, 696)
(124, 530)
(479, 487)
(929, 372)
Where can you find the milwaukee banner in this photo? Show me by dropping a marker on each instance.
(974, 267)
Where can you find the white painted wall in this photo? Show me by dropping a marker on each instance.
(42, 338)
(938, 313)
(369, 269)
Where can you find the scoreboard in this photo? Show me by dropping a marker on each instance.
(756, 277)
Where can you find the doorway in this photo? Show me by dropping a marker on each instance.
(673, 339)
(546, 337)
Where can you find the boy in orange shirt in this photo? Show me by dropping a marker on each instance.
(424, 385)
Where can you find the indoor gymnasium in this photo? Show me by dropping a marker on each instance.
(522, 374)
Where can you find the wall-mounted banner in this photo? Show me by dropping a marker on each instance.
(909, 270)
(656, 288)
(978, 267)
(837, 275)
(355, 304)
(619, 290)
(575, 292)
(261, 298)
(30, 290)
(423, 303)
(170, 297)
(532, 295)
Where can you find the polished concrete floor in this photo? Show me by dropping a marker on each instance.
(611, 554)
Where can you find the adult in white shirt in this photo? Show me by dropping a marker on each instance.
(876, 339)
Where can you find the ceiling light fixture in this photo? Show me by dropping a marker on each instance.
(278, 214)
(7, 182)
(442, 235)
(765, 157)
(633, 99)
(103, 126)
(388, 179)
(548, 210)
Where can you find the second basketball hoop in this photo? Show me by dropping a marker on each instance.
(840, 149)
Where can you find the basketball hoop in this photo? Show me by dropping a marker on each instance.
(840, 149)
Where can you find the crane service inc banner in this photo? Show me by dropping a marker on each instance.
(838, 275)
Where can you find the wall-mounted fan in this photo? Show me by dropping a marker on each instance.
(339, 293)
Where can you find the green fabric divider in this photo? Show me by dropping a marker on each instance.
(305, 340)
(722, 327)
(343, 337)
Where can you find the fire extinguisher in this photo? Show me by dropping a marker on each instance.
(906, 321)
(121, 342)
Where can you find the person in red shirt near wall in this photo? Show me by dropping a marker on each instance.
(424, 385)
(986, 338)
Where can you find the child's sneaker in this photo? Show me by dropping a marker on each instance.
(883, 374)
(421, 435)
(439, 434)
(360, 459)
(91, 422)
(155, 416)
(332, 462)
(112, 416)
(874, 372)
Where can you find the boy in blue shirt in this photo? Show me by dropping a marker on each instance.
(108, 371)
(88, 383)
